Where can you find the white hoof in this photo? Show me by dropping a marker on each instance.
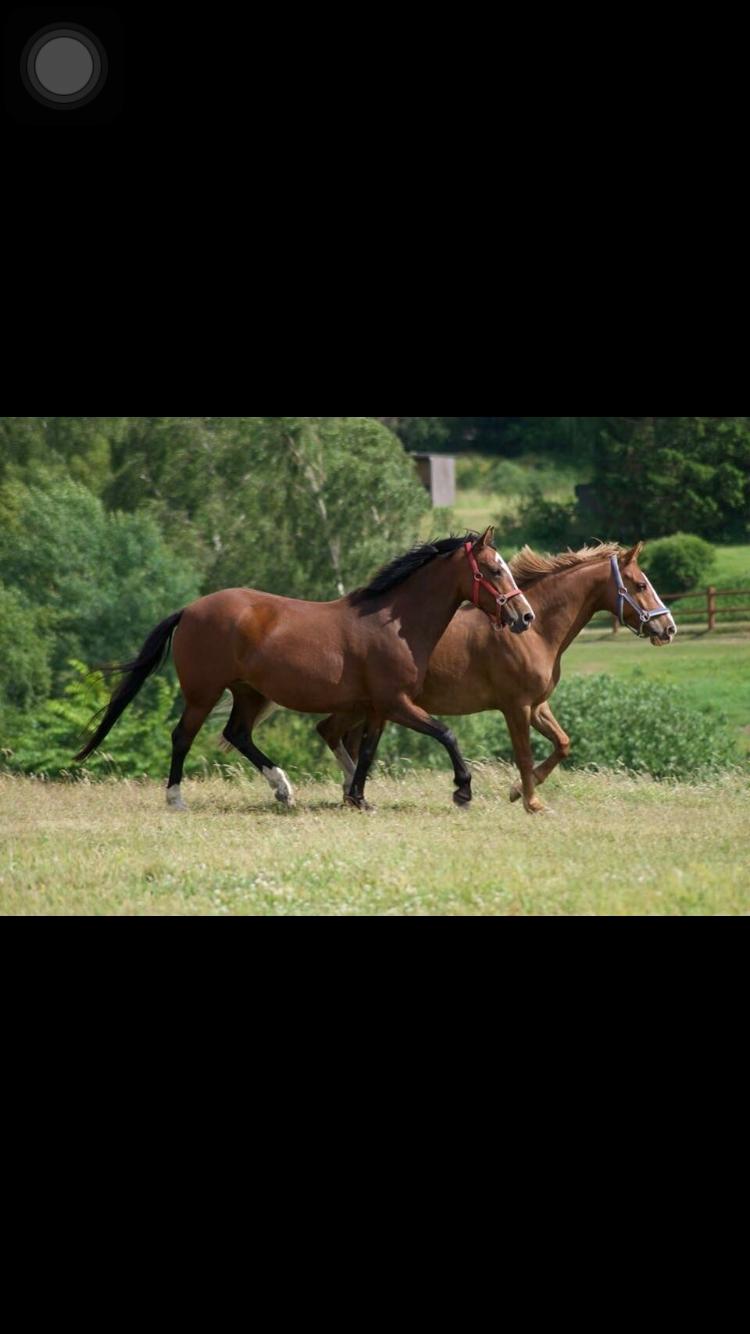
(283, 790)
(174, 800)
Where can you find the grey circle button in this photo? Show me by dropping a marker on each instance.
(64, 66)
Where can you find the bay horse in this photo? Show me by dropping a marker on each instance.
(473, 669)
(365, 655)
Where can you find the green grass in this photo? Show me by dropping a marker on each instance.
(713, 671)
(614, 845)
(732, 565)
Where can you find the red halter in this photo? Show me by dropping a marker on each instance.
(500, 598)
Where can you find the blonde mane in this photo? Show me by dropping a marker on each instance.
(528, 566)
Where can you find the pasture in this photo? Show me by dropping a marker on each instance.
(614, 845)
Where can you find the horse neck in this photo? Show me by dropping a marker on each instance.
(427, 603)
(564, 603)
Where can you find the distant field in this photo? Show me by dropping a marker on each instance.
(732, 564)
(478, 505)
(614, 845)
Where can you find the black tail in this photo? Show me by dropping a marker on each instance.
(151, 656)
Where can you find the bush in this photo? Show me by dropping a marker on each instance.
(44, 740)
(680, 563)
(642, 727)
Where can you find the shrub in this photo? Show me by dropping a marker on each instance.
(44, 740)
(680, 563)
(643, 727)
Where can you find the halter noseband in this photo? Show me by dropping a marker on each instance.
(623, 596)
(479, 580)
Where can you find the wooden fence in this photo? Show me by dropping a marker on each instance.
(710, 612)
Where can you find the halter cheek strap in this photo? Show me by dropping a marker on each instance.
(479, 580)
(623, 596)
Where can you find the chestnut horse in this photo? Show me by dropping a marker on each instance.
(473, 669)
(365, 655)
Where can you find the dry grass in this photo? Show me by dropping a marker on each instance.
(615, 845)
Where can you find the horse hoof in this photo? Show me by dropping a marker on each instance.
(357, 803)
(462, 798)
(177, 806)
(536, 808)
(515, 794)
(284, 799)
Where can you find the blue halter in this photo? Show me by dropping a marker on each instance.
(645, 617)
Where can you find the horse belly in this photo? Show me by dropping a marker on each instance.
(451, 696)
(314, 680)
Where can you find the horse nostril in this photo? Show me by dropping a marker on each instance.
(529, 618)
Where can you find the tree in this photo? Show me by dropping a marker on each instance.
(33, 449)
(305, 506)
(312, 505)
(25, 674)
(102, 580)
(654, 476)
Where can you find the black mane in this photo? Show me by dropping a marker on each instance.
(404, 566)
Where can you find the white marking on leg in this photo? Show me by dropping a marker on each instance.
(277, 779)
(174, 799)
(347, 766)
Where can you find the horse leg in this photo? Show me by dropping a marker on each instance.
(519, 722)
(183, 737)
(545, 722)
(249, 708)
(370, 741)
(408, 714)
(338, 736)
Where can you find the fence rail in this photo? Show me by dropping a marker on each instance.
(708, 607)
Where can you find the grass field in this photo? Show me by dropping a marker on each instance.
(614, 845)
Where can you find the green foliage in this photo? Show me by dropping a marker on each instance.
(102, 580)
(547, 524)
(45, 740)
(338, 499)
(660, 475)
(643, 727)
(680, 563)
(25, 674)
(303, 506)
(34, 449)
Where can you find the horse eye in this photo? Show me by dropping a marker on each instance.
(641, 587)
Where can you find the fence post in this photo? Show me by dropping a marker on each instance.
(712, 608)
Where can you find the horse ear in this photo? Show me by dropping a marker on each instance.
(632, 555)
(486, 539)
